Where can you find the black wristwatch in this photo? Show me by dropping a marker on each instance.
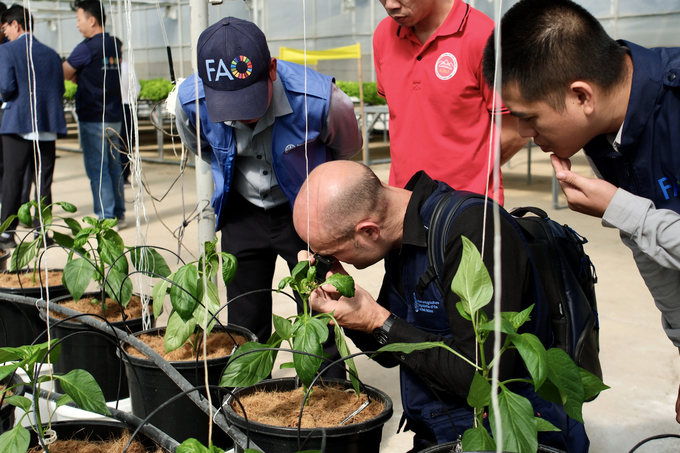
(382, 332)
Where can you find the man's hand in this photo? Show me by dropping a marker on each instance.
(584, 195)
(361, 312)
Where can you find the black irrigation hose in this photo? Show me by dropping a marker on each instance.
(651, 438)
(158, 436)
(152, 355)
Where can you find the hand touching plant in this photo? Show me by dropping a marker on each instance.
(303, 332)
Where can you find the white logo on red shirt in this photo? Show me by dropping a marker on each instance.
(446, 66)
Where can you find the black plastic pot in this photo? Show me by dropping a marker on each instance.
(450, 446)
(361, 437)
(182, 419)
(92, 351)
(7, 410)
(95, 430)
(20, 323)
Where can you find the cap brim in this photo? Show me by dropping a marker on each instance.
(238, 105)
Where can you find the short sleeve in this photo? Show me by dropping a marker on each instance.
(80, 56)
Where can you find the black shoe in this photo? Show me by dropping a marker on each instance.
(7, 241)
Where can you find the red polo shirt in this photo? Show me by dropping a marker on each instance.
(438, 100)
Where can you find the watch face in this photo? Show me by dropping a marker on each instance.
(380, 336)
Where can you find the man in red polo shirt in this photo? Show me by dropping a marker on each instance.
(428, 60)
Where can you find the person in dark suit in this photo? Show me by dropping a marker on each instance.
(32, 87)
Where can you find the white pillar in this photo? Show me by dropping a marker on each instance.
(204, 181)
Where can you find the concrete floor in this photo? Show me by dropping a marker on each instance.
(639, 362)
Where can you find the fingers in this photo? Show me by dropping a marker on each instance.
(560, 164)
(304, 255)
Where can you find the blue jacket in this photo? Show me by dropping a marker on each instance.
(648, 164)
(15, 88)
(288, 135)
(427, 311)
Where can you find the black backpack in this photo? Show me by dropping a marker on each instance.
(565, 270)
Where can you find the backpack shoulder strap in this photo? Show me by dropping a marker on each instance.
(443, 214)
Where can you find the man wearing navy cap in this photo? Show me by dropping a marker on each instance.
(263, 125)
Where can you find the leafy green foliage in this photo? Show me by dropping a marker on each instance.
(155, 89)
(70, 89)
(304, 332)
(28, 252)
(553, 373)
(191, 292)
(194, 446)
(78, 385)
(371, 95)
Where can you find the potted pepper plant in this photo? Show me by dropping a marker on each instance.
(359, 424)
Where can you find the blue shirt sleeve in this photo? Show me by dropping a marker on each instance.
(80, 56)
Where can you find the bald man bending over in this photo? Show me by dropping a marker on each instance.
(343, 210)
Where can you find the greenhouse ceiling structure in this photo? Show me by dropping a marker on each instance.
(318, 24)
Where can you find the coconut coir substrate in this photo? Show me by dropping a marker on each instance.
(26, 279)
(328, 406)
(85, 446)
(220, 344)
(113, 312)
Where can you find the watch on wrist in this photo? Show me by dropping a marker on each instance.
(382, 332)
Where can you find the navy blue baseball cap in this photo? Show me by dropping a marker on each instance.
(233, 63)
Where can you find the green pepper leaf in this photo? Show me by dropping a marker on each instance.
(283, 327)
(249, 369)
(68, 207)
(543, 425)
(24, 215)
(83, 388)
(119, 286)
(478, 439)
(592, 385)
(480, 392)
(73, 224)
(62, 239)
(472, 282)
(178, 331)
(184, 304)
(309, 337)
(146, 259)
(229, 267)
(344, 351)
(565, 375)
(158, 293)
(343, 283)
(78, 273)
(23, 255)
(20, 401)
(300, 271)
(534, 355)
(15, 440)
(518, 421)
(210, 299)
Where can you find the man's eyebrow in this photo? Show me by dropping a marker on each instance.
(519, 114)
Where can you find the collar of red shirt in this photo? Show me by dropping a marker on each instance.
(453, 24)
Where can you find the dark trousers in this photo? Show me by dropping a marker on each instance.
(17, 158)
(256, 237)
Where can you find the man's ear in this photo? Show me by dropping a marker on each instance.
(272, 69)
(583, 94)
(369, 230)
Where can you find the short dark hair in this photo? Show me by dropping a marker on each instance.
(3, 7)
(94, 9)
(20, 14)
(548, 44)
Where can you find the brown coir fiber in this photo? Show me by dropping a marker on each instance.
(220, 344)
(24, 279)
(86, 446)
(328, 406)
(113, 314)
